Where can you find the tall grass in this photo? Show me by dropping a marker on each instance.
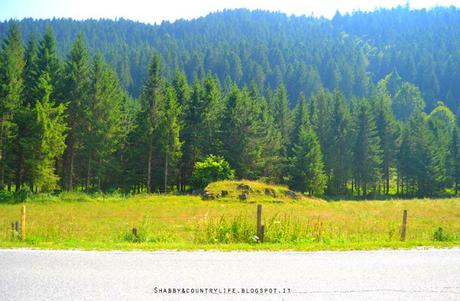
(108, 220)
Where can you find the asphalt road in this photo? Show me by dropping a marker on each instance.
(374, 275)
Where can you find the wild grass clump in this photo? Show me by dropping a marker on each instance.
(224, 231)
(279, 230)
(147, 233)
(441, 235)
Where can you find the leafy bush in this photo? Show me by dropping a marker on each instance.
(214, 168)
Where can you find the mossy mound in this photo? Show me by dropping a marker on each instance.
(251, 191)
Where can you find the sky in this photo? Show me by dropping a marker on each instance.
(155, 11)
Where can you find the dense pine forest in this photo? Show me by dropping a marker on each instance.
(363, 105)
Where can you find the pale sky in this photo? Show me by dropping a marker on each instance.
(155, 11)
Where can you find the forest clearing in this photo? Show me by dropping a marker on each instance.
(292, 222)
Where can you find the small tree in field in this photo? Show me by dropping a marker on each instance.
(213, 168)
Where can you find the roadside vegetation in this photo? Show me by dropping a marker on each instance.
(185, 222)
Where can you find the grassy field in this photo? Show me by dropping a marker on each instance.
(294, 222)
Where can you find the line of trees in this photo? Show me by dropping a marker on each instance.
(70, 125)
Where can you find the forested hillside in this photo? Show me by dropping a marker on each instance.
(362, 104)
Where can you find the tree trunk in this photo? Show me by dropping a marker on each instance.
(2, 153)
(387, 179)
(149, 170)
(166, 174)
(88, 174)
(72, 156)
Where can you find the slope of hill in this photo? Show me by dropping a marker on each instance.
(350, 52)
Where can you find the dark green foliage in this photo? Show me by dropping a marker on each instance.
(387, 129)
(11, 88)
(352, 112)
(367, 154)
(306, 163)
(51, 129)
(213, 168)
(75, 91)
(339, 150)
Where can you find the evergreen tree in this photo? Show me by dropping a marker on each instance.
(428, 171)
(11, 87)
(48, 62)
(340, 144)
(170, 129)
(191, 119)
(152, 101)
(211, 116)
(306, 163)
(282, 115)
(454, 160)
(367, 155)
(103, 130)
(241, 133)
(387, 129)
(25, 118)
(51, 129)
(76, 93)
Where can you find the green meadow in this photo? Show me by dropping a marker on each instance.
(186, 222)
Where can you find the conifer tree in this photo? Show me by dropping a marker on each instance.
(103, 129)
(76, 94)
(428, 174)
(51, 129)
(306, 163)
(454, 160)
(282, 115)
(48, 62)
(387, 129)
(211, 116)
(25, 118)
(191, 118)
(170, 129)
(367, 155)
(152, 101)
(339, 146)
(11, 87)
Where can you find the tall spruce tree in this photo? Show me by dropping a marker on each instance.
(48, 62)
(454, 160)
(25, 118)
(428, 174)
(170, 129)
(306, 163)
(183, 92)
(387, 129)
(51, 134)
(76, 94)
(11, 87)
(339, 146)
(367, 154)
(191, 119)
(211, 116)
(152, 101)
(103, 129)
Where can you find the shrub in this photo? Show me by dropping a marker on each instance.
(214, 168)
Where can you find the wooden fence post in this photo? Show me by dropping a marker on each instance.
(23, 222)
(135, 232)
(403, 227)
(262, 233)
(259, 221)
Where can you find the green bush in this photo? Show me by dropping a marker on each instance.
(440, 235)
(214, 168)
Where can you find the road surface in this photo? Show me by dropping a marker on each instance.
(365, 275)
